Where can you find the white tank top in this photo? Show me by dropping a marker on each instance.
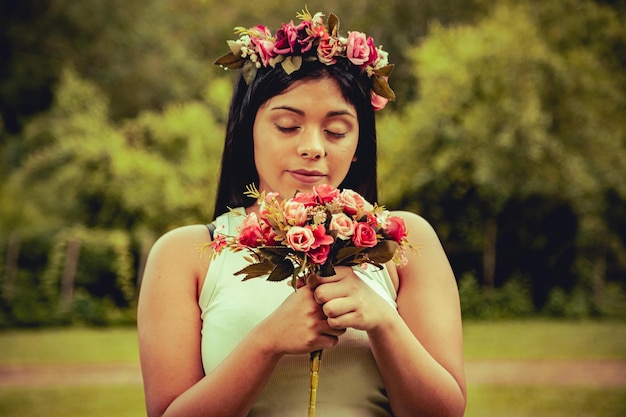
(350, 384)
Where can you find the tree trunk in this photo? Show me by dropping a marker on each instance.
(598, 274)
(69, 274)
(10, 276)
(489, 253)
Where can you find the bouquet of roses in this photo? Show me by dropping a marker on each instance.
(311, 233)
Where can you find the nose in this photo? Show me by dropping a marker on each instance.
(311, 145)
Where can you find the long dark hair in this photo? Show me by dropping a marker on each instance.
(238, 168)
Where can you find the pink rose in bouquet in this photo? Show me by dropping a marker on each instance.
(396, 229)
(300, 238)
(250, 233)
(325, 193)
(311, 233)
(343, 225)
(295, 213)
(364, 236)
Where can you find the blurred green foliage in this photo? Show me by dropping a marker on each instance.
(508, 135)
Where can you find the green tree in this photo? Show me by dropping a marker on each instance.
(97, 182)
(516, 106)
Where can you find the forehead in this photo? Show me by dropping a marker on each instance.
(312, 93)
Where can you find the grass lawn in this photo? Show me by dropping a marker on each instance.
(540, 339)
(90, 401)
(544, 401)
(483, 340)
(73, 345)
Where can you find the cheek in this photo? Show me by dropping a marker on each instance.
(344, 159)
(350, 151)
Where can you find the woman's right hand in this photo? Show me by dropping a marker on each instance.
(297, 326)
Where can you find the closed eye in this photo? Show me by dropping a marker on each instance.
(287, 129)
(336, 135)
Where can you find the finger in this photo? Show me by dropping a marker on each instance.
(329, 341)
(352, 319)
(314, 281)
(337, 307)
(326, 292)
(336, 332)
(327, 330)
(300, 282)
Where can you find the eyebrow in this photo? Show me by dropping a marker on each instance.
(332, 113)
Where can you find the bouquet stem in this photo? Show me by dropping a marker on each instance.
(316, 358)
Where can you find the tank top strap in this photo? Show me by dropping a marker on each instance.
(226, 224)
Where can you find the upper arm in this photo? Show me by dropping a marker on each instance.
(428, 298)
(168, 316)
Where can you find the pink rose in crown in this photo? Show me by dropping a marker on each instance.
(378, 102)
(305, 36)
(265, 50)
(360, 49)
(291, 39)
(364, 236)
(285, 39)
(327, 49)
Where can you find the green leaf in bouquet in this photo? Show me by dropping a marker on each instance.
(256, 270)
(347, 255)
(383, 252)
(282, 270)
(326, 270)
(274, 253)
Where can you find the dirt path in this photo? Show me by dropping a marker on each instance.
(510, 372)
(589, 373)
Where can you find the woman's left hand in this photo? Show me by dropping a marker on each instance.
(349, 302)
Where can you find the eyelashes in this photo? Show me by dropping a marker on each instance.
(294, 129)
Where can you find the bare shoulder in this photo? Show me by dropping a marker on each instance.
(417, 226)
(173, 273)
(427, 261)
(196, 234)
(180, 253)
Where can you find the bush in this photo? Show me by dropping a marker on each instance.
(579, 303)
(574, 305)
(512, 300)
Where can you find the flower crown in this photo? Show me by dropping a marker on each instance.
(310, 40)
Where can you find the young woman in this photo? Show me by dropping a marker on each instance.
(302, 115)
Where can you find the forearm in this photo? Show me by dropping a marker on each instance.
(230, 389)
(416, 384)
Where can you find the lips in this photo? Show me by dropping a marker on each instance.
(307, 176)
